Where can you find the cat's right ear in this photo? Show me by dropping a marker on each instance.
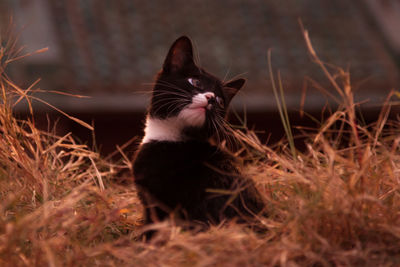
(180, 55)
(231, 88)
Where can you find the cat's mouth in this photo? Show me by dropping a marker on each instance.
(199, 107)
(202, 109)
(202, 101)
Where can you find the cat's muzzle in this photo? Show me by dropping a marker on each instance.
(210, 100)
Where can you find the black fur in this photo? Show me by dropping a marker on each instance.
(192, 180)
(185, 177)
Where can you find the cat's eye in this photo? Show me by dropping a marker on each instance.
(220, 101)
(195, 82)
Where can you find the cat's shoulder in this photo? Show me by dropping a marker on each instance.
(193, 146)
(164, 152)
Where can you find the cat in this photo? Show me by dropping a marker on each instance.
(178, 172)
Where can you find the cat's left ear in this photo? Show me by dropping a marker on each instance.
(180, 55)
(231, 88)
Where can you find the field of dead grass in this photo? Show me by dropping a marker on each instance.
(335, 204)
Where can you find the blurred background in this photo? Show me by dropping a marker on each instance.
(111, 51)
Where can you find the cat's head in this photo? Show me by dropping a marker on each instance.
(188, 98)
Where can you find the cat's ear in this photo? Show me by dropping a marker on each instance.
(180, 55)
(231, 88)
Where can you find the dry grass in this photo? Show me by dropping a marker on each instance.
(336, 204)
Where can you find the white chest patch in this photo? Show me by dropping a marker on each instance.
(162, 130)
(170, 129)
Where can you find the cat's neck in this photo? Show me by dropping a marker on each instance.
(169, 129)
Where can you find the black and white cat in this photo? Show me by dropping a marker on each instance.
(178, 172)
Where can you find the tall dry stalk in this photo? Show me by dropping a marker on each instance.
(345, 92)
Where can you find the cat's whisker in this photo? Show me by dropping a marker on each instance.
(242, 140)
(197, 56)
(166, 89)
(165, 101)
(170, 85)
(161, 96)
(239, 75)
(174, 105)
(176, 89)
(221, 128)
(230, 136)
(177, 107)
(177, 104)
(225, 133)
(227, 73)
(216, 131)
(149, 84)
(139, 92)
(177, 94)
(168, 100)
(160, 93)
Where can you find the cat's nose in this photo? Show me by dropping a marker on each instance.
(209, 96)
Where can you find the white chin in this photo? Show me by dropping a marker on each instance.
(193, 117)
